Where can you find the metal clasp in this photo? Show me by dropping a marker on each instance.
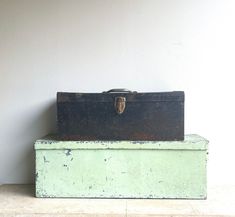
(120, 104)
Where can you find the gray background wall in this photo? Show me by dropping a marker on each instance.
(94, 45)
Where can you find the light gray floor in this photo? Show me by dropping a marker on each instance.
(19, 200)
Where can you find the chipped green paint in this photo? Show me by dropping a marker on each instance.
(192, 141)
(121, 169)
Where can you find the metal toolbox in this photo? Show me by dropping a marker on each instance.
(120, 114)
(121, 169)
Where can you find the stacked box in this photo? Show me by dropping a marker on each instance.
(121, 169)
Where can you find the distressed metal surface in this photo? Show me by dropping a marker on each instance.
(191, 142)
(147, 116)
(120, 104)
(118, 172)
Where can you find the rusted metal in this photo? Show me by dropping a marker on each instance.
(120, 104)
(118, 115)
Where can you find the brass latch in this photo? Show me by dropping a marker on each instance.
(120, 104)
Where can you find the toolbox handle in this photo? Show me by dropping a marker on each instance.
(120, 90)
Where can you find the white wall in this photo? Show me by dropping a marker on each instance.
(94, 45)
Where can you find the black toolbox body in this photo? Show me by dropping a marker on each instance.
(121, 115)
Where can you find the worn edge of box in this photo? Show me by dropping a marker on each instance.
(63, 97)
(191, 142)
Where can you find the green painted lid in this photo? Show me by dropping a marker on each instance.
(191, 142)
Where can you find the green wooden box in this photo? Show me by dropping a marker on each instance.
(121, 169)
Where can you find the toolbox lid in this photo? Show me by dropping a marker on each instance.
(65, 97)
(191, 142)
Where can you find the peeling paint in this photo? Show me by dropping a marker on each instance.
(126, 173)
(45, 160)
(68, 152)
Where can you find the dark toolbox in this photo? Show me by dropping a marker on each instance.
(120, 114)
